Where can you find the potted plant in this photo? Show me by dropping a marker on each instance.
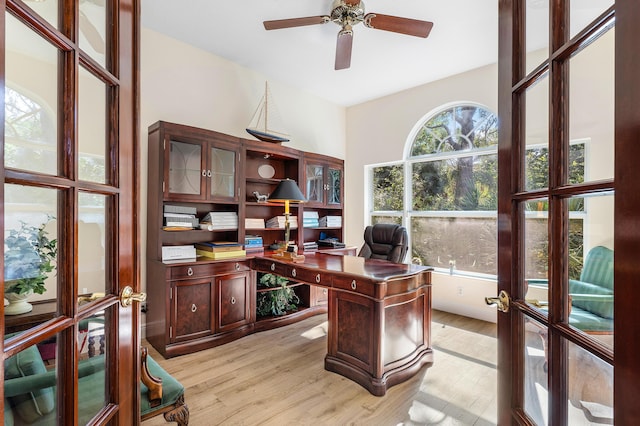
(29, 257)
(279, 301)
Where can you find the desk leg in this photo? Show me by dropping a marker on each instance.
(379, 343)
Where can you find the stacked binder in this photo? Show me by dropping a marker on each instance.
(278, 222)
(331, 221)
(221, 220)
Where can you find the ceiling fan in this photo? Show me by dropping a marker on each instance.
(348, 13)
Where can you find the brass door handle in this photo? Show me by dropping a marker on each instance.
(128, 296)
(502, 301)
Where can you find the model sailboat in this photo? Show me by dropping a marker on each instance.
(264, 122)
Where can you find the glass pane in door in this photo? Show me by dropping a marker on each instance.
(591, 285)
(584, 11)
(47, 9)
(315, 184)
(335, 186)
(31, 100)
(93, 24)
(92, 214)
(536, 252)
(30, 255)
(223, 172)
(535, 371)
(185, 160)
(536, 161)
(590, 388)
(537, 33)
(93, 349)
(30, 379)
(92, 127)
(591, 108)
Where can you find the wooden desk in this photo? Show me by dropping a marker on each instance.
(379, 315)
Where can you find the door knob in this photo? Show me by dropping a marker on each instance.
(502, 301)
(128, 296)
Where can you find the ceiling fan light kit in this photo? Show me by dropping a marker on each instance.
(348, 13)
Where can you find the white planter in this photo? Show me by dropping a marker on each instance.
(17, 303)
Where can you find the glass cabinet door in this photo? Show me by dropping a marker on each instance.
(334, 187)
(185, 170)
(315, 183)
(222, 173)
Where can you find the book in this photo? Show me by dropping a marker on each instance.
(254, 223)
(178, 252)
(217, 249)
(180, 209)
(221, 255)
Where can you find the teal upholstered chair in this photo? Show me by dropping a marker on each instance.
(592, 295)
(29, 390)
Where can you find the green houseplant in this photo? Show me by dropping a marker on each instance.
(279, 301)
(29, 257)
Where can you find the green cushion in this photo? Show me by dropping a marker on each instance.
(591, 297)
(589, 322)
(598, 267)
(8, 414)
(35, 404)
(171, 388)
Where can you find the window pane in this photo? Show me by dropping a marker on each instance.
(30, 249)
(536, 252)
(457, 129)
(93, 22)
(93, 347)
(396, 220)
(535, 371)
(185, 168)
(460, 243)
(92, 127)
(315, 183)
(92, 276)
(388, 188)
(47, 9)
(584, 11)
(223, 169)
(537, 33)
(31, 99)
(590, 388)
(591, 286)
(32, 401)
(462, 183)
(536, 162)
(592, 70)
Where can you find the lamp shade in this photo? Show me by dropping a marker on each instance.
(287, 190)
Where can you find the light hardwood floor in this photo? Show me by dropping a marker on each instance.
(277, 377)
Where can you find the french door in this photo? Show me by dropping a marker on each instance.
(569, 211)
(69, 201)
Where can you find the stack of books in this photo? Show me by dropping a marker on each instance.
(310, 219)
(278, 222)
(253, 223)
(220, 250)
(221, 220)
(253, 244)
(179, 217)
(331, 221)
(310, 246)
(172, 254)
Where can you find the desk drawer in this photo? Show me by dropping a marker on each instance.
(268, 266)
(310, 276)
(355, 285)
(207, 269)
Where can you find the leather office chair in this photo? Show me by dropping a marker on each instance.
(385, 241)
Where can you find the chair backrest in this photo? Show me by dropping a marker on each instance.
(385, 241)
(598, 267)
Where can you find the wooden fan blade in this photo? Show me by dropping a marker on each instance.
(412, 27)
(295, 22)
(343, 49)
(91, 33)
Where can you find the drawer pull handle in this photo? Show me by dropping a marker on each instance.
(318, 278)
(233, 300)
(293, 273)
(208, 173)
(193, 307)
(190, 271)
(204, 173)
(237, 266)
(353, 285)
(273, 266)
(325, 291)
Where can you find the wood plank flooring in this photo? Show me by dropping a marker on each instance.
(277, 377)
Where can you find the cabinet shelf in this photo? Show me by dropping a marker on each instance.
(268, 289)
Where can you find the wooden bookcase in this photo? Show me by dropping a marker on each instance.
(193, 305)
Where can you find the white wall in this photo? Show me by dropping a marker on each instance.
(186, 85)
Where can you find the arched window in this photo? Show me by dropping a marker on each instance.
(445, 191)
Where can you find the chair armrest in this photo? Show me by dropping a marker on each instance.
(591, 297)
(154, 384)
